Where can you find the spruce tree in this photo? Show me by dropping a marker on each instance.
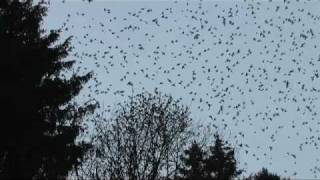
(264, 174)
(193, 163)
(215, 163)
(39, 122)
(221, 163)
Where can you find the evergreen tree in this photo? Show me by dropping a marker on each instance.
(193, 163)
(217, 164)
(264, 174)
(39, 123)
(221, 163)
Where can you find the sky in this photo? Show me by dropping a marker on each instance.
(250, 68)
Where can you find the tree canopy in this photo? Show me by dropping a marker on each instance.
(216, 163)
(143, 140)
(40, 121)
(264, 174)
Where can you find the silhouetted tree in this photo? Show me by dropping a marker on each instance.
(39, 121)
(264, 174)
(221, 163)
(193, 163)
(217, 164)
(142, 141)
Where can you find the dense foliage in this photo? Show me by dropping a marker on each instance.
(216, 163)
(40, 121)
(264, 174)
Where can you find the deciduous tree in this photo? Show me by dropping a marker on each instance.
(142, 141)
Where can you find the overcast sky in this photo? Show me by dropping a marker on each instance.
(249, 67)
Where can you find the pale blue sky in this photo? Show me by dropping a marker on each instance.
(167, 43)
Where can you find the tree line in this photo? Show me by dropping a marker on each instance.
(149, 137)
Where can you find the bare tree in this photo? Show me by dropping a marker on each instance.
(143, 141)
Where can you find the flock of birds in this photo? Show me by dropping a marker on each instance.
(251, 68)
